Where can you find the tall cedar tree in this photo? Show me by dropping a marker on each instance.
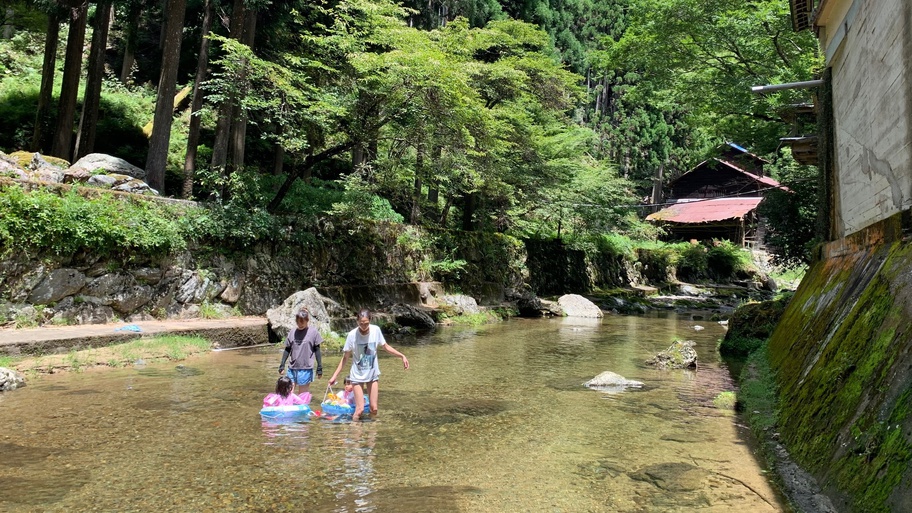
(164, 103)
(85, 138)
(69, 88)
(42, 117)
(193, 133)
(226, 109)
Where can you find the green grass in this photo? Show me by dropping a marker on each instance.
(476, 319)
(176, 347)
(725, 400)
(758, 392)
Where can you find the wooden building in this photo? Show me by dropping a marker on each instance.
(718, 199)
(864, 142)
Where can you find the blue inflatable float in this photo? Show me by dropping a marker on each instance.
(342, 409)
(285, 411)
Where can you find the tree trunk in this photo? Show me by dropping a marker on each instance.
(433, 194)
(416, 195)
(358, 158)
(196, 104)
(42, 118)
(239, 131)
(468, 211)
(657, 184)
(85, 137)
(304, 169)
(278, 161)
(130, 35)
(445, 213)
(164, 102)
(69, 88)
(226, 109)
(8, 25)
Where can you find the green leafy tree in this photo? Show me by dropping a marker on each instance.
(707, 54)
(792, 212)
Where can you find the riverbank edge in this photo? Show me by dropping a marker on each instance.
(758, 404)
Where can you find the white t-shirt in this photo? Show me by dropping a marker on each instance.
(365, 367)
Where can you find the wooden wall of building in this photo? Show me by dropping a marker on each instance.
(871, 60)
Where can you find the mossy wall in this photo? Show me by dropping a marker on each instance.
(842, 356)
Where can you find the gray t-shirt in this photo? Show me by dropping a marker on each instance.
(303, 343)
(365, 367)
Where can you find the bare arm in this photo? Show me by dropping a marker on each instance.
(392, 351)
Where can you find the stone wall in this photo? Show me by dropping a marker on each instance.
(842, 355)
(85, 289)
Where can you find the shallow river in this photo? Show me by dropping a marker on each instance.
(489, 419)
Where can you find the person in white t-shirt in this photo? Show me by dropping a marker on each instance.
(361, 347)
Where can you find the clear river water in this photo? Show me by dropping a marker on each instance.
(488, 419)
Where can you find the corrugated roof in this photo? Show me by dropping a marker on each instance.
(706, 211)
(765, 180)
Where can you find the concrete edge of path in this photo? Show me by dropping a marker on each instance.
(230, 332)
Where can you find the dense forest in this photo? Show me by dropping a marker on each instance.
(534, 118)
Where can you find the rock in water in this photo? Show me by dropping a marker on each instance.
(10, 379)
(575, 305)
(680, 355)
(611, 382)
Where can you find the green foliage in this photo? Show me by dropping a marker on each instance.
(792, 213)
(706, 55)
(725, 259)
(29, 318)
(758, 392)
(614, 244)
(476, 319)
(725, 400)
(359, 202)
(740, 345)
(65, 223)
(208, 311)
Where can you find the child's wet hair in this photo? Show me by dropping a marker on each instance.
(347, 381)
(283, 386)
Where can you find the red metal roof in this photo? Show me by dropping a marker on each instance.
(706, 211)
(765, 180)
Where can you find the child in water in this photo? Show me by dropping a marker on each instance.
(348, 395)
(283, 396)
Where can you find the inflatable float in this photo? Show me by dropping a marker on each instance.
(334, 405)
(295, 410)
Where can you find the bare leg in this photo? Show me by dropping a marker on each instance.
(359, 401)
(373, 389)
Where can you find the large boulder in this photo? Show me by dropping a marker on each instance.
(57, 285)
(575, 305)
(10, 379)
(9, 167)
(460, 304)
(611, 382)
(679, 355)
(528, 304)
(408, 315)
(282, 318)
(109, 165)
